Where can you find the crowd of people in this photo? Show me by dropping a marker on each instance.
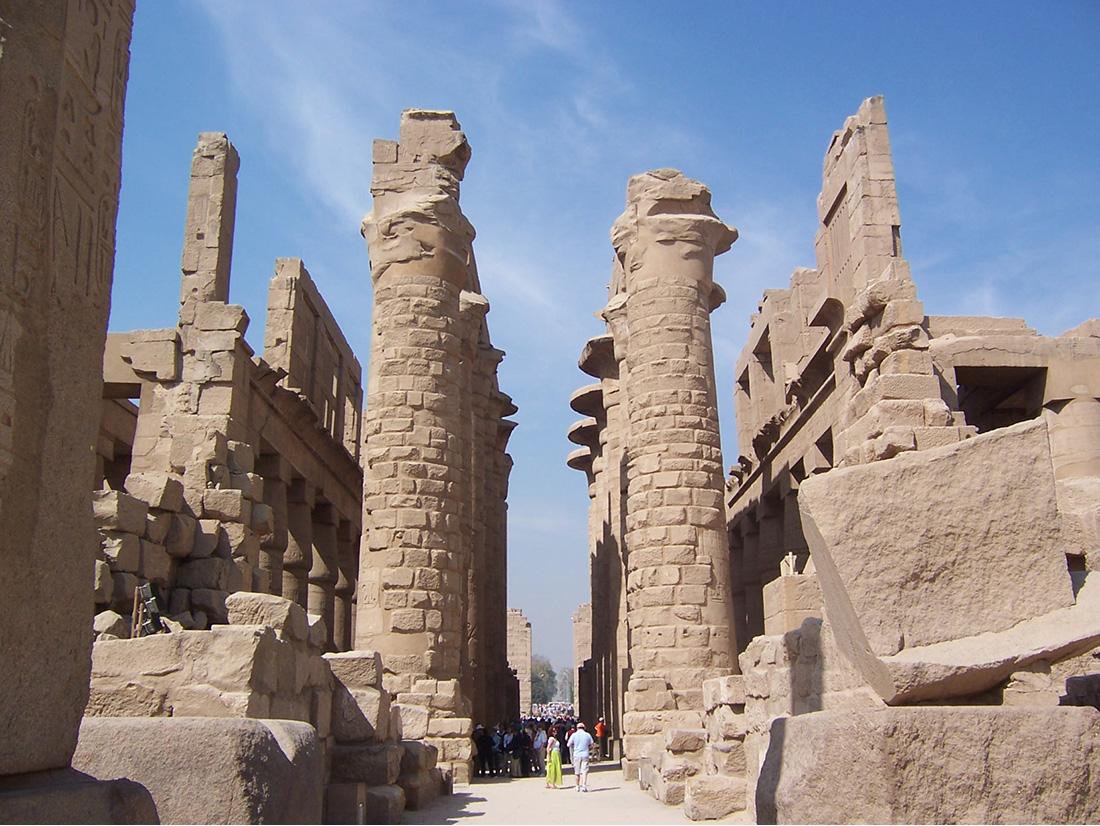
(539, 747)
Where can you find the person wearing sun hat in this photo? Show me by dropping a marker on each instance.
(580, 746)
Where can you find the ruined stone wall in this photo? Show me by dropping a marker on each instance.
(433, 429)
(836, 370)
(241, 472)
(519, 656)
(584, 701)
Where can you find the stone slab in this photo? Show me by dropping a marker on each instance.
(211, 770)
(945, 764)
(68, 796)
(938, 545)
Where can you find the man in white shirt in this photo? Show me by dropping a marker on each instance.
(580, 745)
(539, 746)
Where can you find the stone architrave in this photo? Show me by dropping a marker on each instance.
(63, 74)
(677, 552)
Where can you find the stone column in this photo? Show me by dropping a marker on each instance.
(211, 214)
(412, 584)
(324, 567)
(276, 473)
(347, 540)
(298, 558)
(677, 563)
(63, 72)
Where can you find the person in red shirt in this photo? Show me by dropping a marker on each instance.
(601, 736)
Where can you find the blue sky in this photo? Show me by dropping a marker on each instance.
(994, 112)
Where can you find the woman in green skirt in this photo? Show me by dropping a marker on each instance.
(553, 760)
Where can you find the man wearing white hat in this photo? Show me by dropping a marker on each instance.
(580, 745)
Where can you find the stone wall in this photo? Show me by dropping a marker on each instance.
(241, 473)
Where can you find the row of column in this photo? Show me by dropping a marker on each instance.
(312, 555)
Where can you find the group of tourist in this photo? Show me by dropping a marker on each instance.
(539, 747)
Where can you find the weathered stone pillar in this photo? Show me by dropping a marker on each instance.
(324, 567)
(347, 540)
(298, 558)
(211, 214)
(63, 72)
(412, 585)
(276, 473)
(677, 582)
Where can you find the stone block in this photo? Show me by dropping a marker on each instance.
(113, 623)
(724, 691)
(685, 740)
(356, 669)
(360, 803)
(414, 721)
(117, 511)
(418, 756)
(375, 764)
(210, 539)
(122, 551)
(158, 490)
(287, 618)
(157, 525)
(216, 771)
(318, 632)
(933, 764)
(211, 602)
(104, 586)
(727, 757)
(421, 787)
(69, 796)
(227, 505)
(360, 714)
(711, 797)
(180, 541)
(214, 315)
(211, 572)
(156, 564)
(450, 727)
(938, 545)
(123, 585)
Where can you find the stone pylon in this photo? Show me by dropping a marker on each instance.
(416, 555)
(678, 605)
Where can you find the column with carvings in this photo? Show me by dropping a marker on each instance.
(677, 562)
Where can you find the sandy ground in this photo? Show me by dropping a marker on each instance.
(527, 800)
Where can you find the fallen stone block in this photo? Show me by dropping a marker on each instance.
(111, 622)
(180, 541)
(287, 618)
(215, 770)
(68, 796)
(360, 803)
(933, 764)
(912, 552)
(711, 797)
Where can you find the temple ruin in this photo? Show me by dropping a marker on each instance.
(910, 529)
(888, 610)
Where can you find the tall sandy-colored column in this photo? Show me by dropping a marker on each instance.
(415, 553)
(677, 566)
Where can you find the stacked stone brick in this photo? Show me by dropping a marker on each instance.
(676, 569)
(433, 419)
(247, 467)
(519, 656)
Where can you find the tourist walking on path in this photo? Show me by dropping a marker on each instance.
(553, 760)
(580, 746)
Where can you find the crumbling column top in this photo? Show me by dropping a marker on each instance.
(673, 207)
